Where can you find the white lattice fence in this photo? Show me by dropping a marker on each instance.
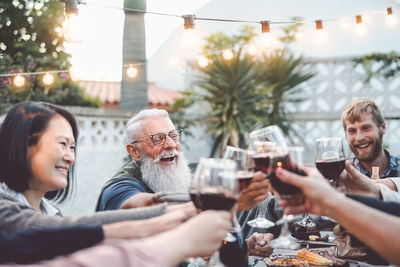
(337, 83)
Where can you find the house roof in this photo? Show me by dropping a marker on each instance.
(110, 92)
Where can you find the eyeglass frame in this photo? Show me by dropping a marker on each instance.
(178, 130)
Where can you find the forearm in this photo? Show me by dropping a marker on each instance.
(138, 200)
(27, 247)
(374, 228)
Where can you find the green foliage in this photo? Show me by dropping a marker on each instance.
(32, 41)
(388, 64)
(244, 91)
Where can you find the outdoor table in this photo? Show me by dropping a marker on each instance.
(259, 261)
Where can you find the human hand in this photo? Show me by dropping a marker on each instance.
(317, 192)
(202, 235)
(256, 192)
(354, 182)
(257, 244)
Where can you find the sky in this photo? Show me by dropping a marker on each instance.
(102, 28)
(99, 55)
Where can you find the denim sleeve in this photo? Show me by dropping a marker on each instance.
(115, 194)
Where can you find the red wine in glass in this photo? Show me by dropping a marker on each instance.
(216, 201)
(194, 196)
(331, 168)
(244, 179)
(261, 161)
(283, 161)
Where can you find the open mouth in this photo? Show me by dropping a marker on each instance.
(167, 159)
(363, 146)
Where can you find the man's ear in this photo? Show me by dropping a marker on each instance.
(133, 151)
(383, 128)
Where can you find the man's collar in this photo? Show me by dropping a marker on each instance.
(389, 172)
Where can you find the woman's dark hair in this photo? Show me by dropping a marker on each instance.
(22, 128)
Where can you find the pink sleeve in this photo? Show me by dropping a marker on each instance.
(115, 253)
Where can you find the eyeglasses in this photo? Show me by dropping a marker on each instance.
(159, 139)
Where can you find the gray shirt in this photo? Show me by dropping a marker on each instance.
(16, 216)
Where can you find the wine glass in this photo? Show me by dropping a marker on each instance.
(217, 189)
(330, 158)
(291, 159)
(261, 162)
(244, 172)
(271, 134)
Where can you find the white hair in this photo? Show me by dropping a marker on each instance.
(173, 178)
(132, 127)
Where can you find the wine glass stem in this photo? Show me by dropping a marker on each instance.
(285, 227)
(262, 210)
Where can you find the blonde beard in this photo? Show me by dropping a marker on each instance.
(173, 178)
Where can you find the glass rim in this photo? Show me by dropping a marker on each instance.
(234, 148)
(219, 161)
(255, 132)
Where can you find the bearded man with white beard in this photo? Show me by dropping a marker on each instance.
(157, 164)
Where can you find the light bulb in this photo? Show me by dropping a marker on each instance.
(74, 74)
(391, 20)
(202, 61)
(19, 80)
(267, 41)
(299, 35)
(190, 39)
(344, 25)
(252, 50)
(227, 54)
(74, 29)
(132, 71)
(320, 36)
(360, 29)
(48, 79)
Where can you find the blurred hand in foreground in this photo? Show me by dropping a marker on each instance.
(257, 244)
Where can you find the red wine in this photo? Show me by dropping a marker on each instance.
(195, 199)
(261, 161)
(234, 254)
(281, 187)
(244, 179)
(330, 169)
(216, 201)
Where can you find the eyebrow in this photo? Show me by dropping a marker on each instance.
(64, 137)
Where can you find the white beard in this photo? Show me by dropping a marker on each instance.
(173, 178)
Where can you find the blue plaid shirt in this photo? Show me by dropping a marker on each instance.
(392, 171)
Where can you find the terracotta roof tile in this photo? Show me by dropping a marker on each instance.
(110, 92)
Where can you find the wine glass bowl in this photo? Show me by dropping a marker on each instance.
(270, 134)
(244, 165)
(330, 158)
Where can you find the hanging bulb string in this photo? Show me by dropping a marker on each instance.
(238, 20)
(32, 73)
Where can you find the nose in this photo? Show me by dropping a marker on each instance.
(359, 135)
(169, 143)
(69, 156)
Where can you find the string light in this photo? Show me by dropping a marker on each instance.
(190, 38)
(48, 79)
(19, 81)
(71, 7)
(227, 54)
(132, 71)
(252, 50)
(360, 28)
(320, 34)
(267, 40)
(299, 35)
(390, 20)
(202, 61)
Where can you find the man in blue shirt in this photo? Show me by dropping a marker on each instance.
(157, 164)
(365, 126)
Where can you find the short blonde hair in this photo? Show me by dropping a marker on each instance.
(355, 109)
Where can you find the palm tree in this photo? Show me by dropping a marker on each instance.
(285, 72)
(232, 91)
(134, 91)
